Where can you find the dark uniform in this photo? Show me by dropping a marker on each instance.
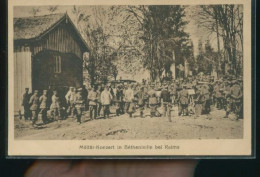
(236, 99)
(183, 98)
(26, 105)
(34, 102)
(79, 105)
(205, 99)
(141, 101)
(119, 101)
(153, 102)
(167, 106)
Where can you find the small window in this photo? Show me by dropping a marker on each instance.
(57, 64)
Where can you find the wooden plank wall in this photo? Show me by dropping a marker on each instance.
(22, 77)
(59, 40)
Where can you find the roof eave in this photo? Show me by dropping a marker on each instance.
(65, 17)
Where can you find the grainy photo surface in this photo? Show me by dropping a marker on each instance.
(128, 72)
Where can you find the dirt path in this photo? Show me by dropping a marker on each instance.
(213, 126)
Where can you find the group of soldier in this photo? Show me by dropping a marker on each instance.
(192, 96)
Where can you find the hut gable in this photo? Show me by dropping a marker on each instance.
(43, 32)
(32, 27)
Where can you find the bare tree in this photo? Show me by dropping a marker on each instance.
(226, 21)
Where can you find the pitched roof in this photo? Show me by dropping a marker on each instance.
(27, 28)
(32, 27)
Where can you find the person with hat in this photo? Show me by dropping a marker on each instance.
(152, 101)
(141, 100)
(70, 97)
(205, 98)
(166, 100)
(92, 97)
(227, 98)
(34, 102)
(43, 106)
(236, 98)
(26, 105)
(128, 99)
(120, 98)
(79, 104)
(106, 98)
(183, 98)
(55, 106)
(218, 96)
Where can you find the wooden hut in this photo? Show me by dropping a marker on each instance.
(48, 54)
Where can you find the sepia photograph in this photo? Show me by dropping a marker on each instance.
(129, 72)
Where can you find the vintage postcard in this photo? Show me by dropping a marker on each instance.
(129, 78)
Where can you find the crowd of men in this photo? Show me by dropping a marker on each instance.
(191, 96)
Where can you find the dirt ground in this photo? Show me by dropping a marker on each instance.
(212, 126)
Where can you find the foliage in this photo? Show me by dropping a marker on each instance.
(207, 58)
(226, 22)
(161, 30)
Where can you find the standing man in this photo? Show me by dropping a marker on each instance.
(92, 97)
(70, 97)
(205, 99)
(34, 102)
(55, 106)
(106, 98)
(166, 99)
(26, 105)
(120, 100)
(129, 97)
(183, 101)
(141, 101)
(152, 101)
(79, 105)
(43, 106)
(236, 99)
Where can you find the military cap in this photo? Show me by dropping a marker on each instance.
(35, 91)
(26, 88)
(79, 89)
(45, 91)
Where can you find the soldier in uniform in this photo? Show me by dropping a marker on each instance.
(34, 102)
(70, 101)
(205, 99)
(152, 101)
(26, 105)
(141, 101)
(236, 98)
(43, 106)
(119, 101)
(166, 99)
(173, 93)
(129, 98)
(183, 98)
(228, 102)
(106, 99)
(92, 97)
(55, 106)
(79, 105)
